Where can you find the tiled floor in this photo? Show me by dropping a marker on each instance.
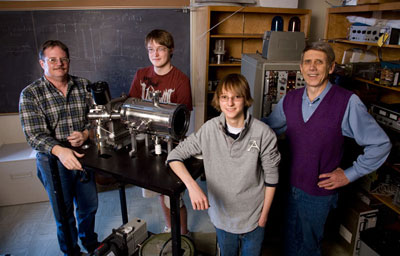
(29, 229)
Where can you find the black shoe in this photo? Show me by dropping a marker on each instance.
(92, 247)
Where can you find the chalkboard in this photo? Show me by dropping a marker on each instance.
(105, 45)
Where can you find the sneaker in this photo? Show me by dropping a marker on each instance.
(189, 235)
(167, 229)
(92, 247)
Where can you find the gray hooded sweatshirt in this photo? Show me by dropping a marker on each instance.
(237, 171)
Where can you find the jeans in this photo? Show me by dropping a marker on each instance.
(82, 193)
(250, 243)
(305, 221)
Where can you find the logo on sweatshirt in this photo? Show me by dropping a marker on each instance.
(253, 144)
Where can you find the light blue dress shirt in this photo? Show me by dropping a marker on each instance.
(357, 124)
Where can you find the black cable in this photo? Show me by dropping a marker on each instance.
(164, 245)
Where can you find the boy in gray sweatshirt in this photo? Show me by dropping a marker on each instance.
(241, 165)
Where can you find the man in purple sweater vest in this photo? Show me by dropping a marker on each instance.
(316, 119)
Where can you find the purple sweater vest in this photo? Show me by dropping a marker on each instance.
(317, 145)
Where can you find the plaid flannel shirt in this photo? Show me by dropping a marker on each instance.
(48, 118)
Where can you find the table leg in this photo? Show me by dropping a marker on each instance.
(122, 199)
(175, 225)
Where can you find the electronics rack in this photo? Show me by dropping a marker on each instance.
(269, 81)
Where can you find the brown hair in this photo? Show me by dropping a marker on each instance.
(161, 37)
(51, 44)
(323, 47)
(236, 83)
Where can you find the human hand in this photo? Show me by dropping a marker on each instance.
(77, 138)
(198, 198)
(68, 157)
(263, 220)
(333, 180)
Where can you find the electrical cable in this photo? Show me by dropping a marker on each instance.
(384, 189)
(216, 25)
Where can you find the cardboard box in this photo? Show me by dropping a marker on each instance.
(19, 183)
(358, 55)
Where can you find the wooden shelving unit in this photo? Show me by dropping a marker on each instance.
(336, 31)
(337, 27)
(242, 29)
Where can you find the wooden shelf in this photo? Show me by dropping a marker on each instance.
(365, 8)
(364, 43)
(249, 36)
(225, 65)
(262, 10)
(387, 200)
(378, 85)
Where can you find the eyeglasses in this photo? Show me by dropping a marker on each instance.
(225, 98)
(54, 60)
(159, 49)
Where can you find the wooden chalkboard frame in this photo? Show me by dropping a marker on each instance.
(105, 44)
(91, 4)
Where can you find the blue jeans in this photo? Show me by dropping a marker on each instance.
(250, 243)
(83, 194)
(305, 221)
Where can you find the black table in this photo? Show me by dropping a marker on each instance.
(145, 170)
